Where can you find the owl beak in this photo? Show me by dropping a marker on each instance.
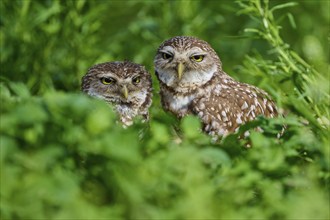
(180, 70)
(125, 92)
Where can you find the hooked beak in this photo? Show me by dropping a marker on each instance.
(180, 69)
(124, 92)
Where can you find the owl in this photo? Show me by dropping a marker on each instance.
(192, 82)
(125, 85)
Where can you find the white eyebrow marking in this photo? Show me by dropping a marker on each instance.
(197, 50)
(107, 74)
(167, 49)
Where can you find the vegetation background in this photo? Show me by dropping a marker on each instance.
(63, 156)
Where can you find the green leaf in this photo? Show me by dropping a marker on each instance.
(285, 5)
(191, 126)
(215, 157)
(99, 120)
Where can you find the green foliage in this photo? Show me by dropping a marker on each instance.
(64, 156)
(311, 87)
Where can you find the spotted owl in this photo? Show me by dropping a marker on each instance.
(125, 85)
(192, 82)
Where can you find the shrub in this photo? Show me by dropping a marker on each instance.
(64, 156)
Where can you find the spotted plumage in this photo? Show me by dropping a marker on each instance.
(192, 82)
(125, 85)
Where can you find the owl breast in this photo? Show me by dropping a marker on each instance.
(127, 113)
(179, 104)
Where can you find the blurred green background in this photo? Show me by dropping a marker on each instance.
(50, 44)
(64, 157)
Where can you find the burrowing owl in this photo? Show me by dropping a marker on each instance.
(192, 82)
(125, 85)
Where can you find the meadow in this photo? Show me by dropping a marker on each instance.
(64, 156)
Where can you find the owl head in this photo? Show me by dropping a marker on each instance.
(186, 62)
(119, 82)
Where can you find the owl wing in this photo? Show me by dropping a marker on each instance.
(228, 106)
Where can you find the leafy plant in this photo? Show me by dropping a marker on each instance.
(64, 156)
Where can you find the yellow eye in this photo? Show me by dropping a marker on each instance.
(108, 81)
(136, 80)
(166, 56)
(198, 58)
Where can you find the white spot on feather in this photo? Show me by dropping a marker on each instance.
(244, 106)
(270, 107)
(239, 120)
(265, 101)
(221, 132)
(215, 124)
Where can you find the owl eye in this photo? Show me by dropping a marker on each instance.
(108, 81)
(166, 56)
(198, 58)
(136, 80)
